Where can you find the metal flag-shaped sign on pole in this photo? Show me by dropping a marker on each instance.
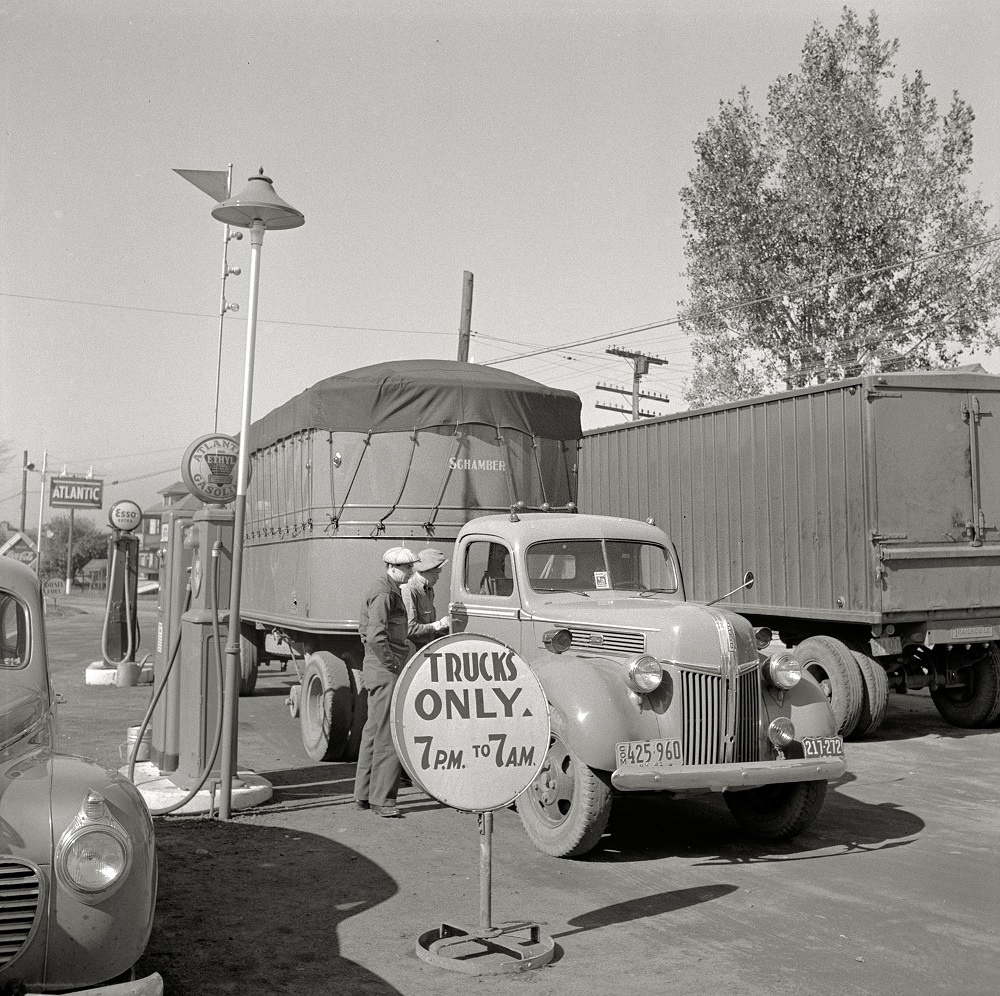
(218, 185)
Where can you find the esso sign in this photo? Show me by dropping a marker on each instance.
(125, 515)
(470, 722)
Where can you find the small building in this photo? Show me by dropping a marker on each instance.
(151, 536)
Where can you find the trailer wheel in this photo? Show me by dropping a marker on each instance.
(874, 697)
(838, 674)
(566, 808)
(776, 812)
(978, 703)
(249, 661)
(326, 707)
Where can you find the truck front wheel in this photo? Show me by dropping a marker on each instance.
(977, 703)
(775, 812)
(249, 661)
(566, 808)
(326, 707)
(838, 674)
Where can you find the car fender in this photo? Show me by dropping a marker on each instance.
(592, 708)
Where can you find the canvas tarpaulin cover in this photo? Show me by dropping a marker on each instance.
(403, 395)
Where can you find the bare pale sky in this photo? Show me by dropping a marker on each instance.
(539, 145)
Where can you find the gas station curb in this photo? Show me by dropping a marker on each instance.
(160, 792)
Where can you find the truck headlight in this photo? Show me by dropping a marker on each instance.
(782, 671)
(94, 853)
(644, 674)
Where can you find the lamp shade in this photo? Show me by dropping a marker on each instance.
(258, 202)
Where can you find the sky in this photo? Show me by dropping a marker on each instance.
(538, 144)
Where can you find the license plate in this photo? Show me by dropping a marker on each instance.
(658, 753)
(822, 746)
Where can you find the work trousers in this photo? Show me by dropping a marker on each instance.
(378, 771)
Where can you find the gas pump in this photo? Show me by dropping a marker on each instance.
(120, 635)
(175, 565)
(204, 630)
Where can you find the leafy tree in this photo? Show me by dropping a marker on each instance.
(89, 543)
(837, 234)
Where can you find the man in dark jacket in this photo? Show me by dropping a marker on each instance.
(418, 596)
(383, 632)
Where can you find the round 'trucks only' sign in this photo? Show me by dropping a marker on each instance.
(470, 722)
(209, 468)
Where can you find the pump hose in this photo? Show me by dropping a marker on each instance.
(207, 770)
(129, 610)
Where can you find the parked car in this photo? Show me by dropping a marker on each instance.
(77, 851)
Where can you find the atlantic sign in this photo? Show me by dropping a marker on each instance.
(76, 492)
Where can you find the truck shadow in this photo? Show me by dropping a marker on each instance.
(702, 829)
(245, 908)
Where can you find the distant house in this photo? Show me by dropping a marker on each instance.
(152, 534)
(95, 574)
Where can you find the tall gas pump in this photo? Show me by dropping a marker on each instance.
(209, 471)
(175, 566)
(120, 636)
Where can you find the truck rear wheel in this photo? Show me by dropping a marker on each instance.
(775, 812)
(874, 696)
(838, 674)
(566, 808)
(326, 707)
(976, 704)
(249, 661)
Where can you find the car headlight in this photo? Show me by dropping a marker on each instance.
(644, 674)
(782, 670)
(94, 854)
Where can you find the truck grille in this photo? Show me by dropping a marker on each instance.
(622, 643)
(704, 704)
(20, 896)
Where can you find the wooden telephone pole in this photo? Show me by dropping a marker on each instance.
(465, 328)
(640, 367)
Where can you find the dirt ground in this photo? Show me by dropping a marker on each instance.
(893, 891)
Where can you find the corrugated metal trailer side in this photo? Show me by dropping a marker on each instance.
(776, 486)
(868, 510)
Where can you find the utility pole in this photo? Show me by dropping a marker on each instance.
(640, 367)
(465, 328)
(25, 467)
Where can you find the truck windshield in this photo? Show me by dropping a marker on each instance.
(590, 565)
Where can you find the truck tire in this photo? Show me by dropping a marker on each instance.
(776, 812)
(566, 808)
(326, 707)
(838, 674)
(874, 696)
(249, 661)
(978, 703)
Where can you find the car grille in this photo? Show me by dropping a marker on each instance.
(20, 897)
(622, 643)
(706, 719)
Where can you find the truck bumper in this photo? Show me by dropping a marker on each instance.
(724, 777)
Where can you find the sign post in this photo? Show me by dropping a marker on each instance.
(470, 723)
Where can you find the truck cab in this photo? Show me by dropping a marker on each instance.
(648, 692)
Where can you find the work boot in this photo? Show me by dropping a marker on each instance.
(388, 812)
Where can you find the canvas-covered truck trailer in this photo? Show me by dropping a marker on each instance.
(398, 453)
(868, 510)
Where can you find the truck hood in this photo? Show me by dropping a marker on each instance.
(686, 633)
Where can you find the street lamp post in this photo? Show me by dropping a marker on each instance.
(258, 208)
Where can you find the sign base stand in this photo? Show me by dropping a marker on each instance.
(517, 947)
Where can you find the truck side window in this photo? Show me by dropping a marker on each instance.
(488, 569)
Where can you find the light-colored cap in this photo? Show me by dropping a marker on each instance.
(429, 559)
(399, 556)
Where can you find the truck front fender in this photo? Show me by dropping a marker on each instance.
(592, 709)
(805, 705)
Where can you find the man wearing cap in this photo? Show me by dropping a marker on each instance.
(383, 632)
(418, 596)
